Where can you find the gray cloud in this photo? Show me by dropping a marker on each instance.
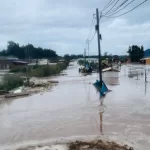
(63, 25)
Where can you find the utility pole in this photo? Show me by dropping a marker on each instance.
(87, 41)
(84, 57)
(99, 47)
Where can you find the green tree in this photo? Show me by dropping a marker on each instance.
(135, 53)
(27, 51)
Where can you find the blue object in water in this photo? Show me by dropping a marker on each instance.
(97, 83)
(103, 89)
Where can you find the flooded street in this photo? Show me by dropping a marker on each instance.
(73, 108)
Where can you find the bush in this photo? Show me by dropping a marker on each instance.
(41, 71)
(48, 70)
(19, 69)
(10, 82)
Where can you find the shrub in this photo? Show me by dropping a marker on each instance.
(10, 82)
(41, 71)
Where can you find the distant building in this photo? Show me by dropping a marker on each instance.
(42, 61)
(19, 63)
(11, 63)
(146, 58)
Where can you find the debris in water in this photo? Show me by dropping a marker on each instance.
(97, 145)
(82, 145)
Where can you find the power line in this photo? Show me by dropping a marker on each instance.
(91, 27)
(107, 5)
(112, 7)
(115, 9)
(92, 37)
(122, 8)
(127, 11)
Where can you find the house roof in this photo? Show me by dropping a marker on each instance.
(20, 62)
(145, 58)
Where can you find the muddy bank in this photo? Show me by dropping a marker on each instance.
(81, 145)
(97, 145)
(37, 85)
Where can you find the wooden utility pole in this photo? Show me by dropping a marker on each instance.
(99, 47)
(87, 41)
(84, 57)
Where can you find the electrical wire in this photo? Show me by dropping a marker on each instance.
(127, 11)
(112, 7)
(122, 8)
(92, 37)
(115, 9)
(91, 27)
(107, 5)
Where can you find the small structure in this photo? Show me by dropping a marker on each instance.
(146, 58)
(19, 63)
(147, 61)
(8, 63)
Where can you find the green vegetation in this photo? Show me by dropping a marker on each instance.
(82, 62)
(27, 51)
(11, 81)
(40, 71)
(69, 57)
(136, 53)
(44, 71)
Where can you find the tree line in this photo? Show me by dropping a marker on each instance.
(27, 51)
(30, 52)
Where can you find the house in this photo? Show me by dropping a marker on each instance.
(19, 63)
(146, 58)
(5, 63)
(11, 63)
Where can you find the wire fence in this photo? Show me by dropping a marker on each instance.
(139, 72)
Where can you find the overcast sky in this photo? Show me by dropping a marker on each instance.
(64, 25)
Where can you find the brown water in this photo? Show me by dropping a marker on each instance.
(73, 108)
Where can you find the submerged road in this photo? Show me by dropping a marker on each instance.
(73, 108)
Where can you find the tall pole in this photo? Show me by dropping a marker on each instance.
(84, 57)
(99, 47)
(88, 46)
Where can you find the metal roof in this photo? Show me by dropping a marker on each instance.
(21, 62)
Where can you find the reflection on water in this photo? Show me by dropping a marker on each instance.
(101, 111)
(5, 102)
(101, 122)
(145, 88)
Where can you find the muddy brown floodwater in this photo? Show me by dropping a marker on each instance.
(73, 109)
